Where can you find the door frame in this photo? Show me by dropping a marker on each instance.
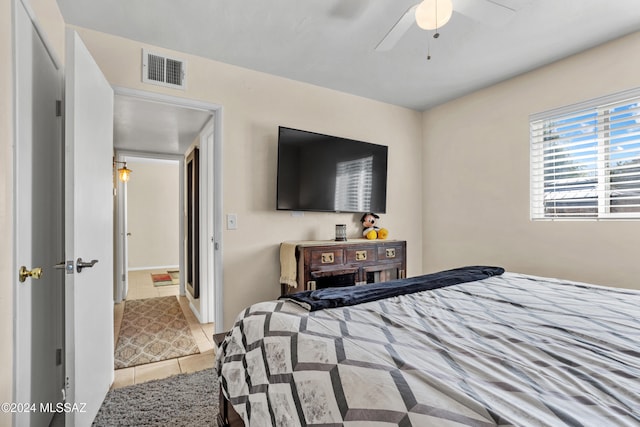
(211, 193)
(121, 209)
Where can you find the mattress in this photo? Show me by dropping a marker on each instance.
(507, 350)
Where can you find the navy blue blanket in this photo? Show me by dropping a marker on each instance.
(351, 295)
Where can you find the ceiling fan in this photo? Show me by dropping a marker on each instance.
(433, 14)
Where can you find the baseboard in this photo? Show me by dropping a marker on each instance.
(156, 267)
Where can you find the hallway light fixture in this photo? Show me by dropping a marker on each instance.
(124, 173)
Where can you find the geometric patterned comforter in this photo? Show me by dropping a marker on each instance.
(510, 350)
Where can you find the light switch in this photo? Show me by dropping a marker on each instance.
(232, 221)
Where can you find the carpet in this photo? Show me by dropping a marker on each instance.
(179, 401)
(153, 329)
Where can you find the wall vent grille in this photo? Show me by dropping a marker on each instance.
(163, 71)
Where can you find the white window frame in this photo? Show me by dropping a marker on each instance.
(600, 109)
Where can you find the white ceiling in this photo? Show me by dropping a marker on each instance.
(155, 127)
(331, 43)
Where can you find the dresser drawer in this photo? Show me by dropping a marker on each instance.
(361, 255)
(391, 253)
(327, 257)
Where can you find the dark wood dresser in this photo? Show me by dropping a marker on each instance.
(348, 263)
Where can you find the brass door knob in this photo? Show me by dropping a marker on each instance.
(36, 273)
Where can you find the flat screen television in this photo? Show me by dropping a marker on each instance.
(326, 173)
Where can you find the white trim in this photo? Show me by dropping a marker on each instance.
(584, 105)
(217, 224)
(155, 267)
(121, 285)
(207, 265)
(135, 158)
(168, 99)
(129, 155)
(574, 159)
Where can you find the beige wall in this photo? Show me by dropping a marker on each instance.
(476, 176)
(254, 105)
(153, 214)
(51, 23)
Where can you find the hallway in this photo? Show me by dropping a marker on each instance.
(141, 287)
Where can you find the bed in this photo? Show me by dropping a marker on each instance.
(494, 349)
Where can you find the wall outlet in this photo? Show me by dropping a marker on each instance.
(232, 221)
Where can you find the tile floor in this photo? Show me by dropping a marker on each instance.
(140, 287)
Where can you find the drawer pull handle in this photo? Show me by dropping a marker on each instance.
(391, 252)
(327, 258)
(361, 255)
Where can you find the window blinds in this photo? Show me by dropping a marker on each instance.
(585, 160)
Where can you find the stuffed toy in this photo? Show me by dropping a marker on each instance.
(370, 230)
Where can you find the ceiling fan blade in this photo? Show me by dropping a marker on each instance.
(398, 30)
(484, 11)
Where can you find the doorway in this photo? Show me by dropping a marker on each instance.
(164, 127)
(152, 216)
(154, 131)
(153, 238)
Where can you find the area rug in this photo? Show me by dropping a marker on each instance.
(182, 400)
(175, 276)
(153, 329)
(161, 279)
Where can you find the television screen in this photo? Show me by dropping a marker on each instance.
(330, 174)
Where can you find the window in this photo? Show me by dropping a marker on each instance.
(585, 160)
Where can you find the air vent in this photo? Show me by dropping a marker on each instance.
(162, 70)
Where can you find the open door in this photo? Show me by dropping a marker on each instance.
(88, 233)
(38, 285)
(122, 241)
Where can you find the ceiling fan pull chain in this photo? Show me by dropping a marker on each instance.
(437, 34)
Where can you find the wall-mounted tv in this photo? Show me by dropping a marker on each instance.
(326, 173)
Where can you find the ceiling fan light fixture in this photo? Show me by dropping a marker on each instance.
(432, 14)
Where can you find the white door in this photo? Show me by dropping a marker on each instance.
(207, 205)
(122, 242)
(38, 335)
(88, 232)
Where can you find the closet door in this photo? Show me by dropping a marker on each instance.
(193, 223)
